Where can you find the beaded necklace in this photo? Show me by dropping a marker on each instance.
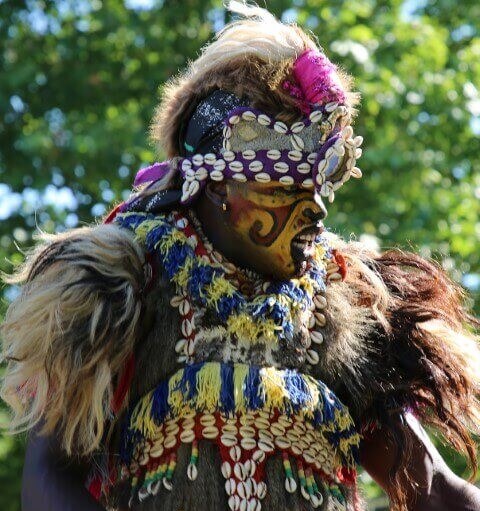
(249, 411)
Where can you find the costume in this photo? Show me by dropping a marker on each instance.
(244, 391)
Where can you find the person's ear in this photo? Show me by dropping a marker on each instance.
(216, 193)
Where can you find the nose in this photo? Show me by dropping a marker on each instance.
(318, 212)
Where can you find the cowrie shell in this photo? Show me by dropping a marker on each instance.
(261, 490)
(295, 155)
(320, 319)
(239, 177)
(170, 441)
(153, 487)
(287, 180)
(210, 432)
(266, 445)
(143, 493)
(229, 427)
(234, 119)
(209, 158)
(311, 158)
(207, 419)
(186, 165)
(219, 165)
(243, 505)
(184, 307)
(197, 159)
(320, 301)
(258, 456)
(236, 166)
(248, 443)
(273, 154)
(256, 166)
(216, 175)
(297, 127)
(284, 420)
(304, 168)
(247, 419)
(188, 423)
(235, 453)
(186, 327)
(304, 493)
(240, 474)
(316, 337)
(309, 456)
(187, 436)
(180, 345)
(356, 172)
(290, 485)
(277, 429)
(280, 127)
(201, 174)
(234, 502)
(316, 499)
(335, 277)
(262, 177)
(297, 142)
(167, 484)
(228, 155)
(262, 423)
(358, 140)
(282, 442)
(358, 153)
(249, 154)
(265, 435)
(226, 469)
(157, 451)
(247, 431)
(307, 183)
(264, 120)
(172, 429)
(248, 116)
(250, 467)
(230, 486)
(193, 187)
(330, 107)
(143, 460)
(316, 116)
(192, 472)
(281, 166)
(228, 439)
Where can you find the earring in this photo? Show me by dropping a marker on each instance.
(224, 206)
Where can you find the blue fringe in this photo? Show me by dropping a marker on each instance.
(254, 397)
(188, 384)
(160, 406)
(298, 390)
(227, 398)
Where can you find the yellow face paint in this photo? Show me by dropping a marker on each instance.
(266, 218)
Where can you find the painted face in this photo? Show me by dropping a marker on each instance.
(275, 224)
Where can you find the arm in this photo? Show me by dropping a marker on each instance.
(51, 482)
(429, 484)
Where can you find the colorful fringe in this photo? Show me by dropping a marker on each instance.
(269, 316)
(235, 389)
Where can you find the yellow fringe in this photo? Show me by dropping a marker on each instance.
(219, 287)
(175, 395)
(173, 237)
(208, 387)
(181, 277)
(275, 391)
(240, 372)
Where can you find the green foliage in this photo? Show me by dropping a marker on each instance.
(79, 82)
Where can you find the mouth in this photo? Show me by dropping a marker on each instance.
(303, 246)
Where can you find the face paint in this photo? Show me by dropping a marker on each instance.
(275, 225)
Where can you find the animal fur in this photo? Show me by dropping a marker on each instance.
(68, 334)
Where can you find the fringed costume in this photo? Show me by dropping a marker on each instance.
(199, 385)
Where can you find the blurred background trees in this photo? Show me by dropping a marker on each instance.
(79, 81)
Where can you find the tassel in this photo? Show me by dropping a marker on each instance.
(192, 471)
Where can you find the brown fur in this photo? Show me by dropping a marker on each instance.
(261, 82)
